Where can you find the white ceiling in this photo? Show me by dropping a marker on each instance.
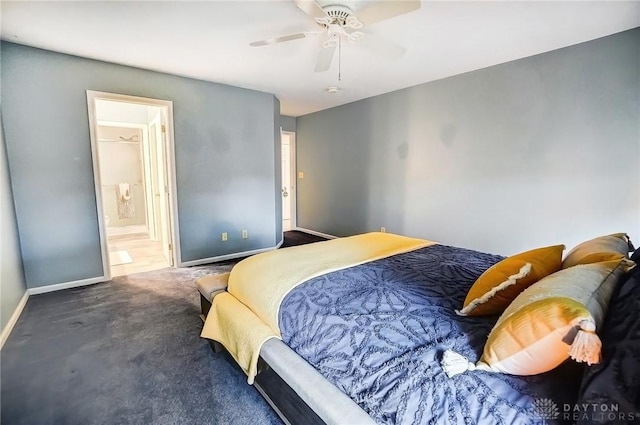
(210, 40)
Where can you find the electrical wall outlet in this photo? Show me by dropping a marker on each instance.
(383, 229)
(225, 236)
(245, 234)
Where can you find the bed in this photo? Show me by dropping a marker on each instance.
(353, 331)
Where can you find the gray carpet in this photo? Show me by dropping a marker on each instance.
(126, 351)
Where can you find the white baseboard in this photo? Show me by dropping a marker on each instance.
(313, 232)
(227, 257)
(13, 319)
(67, 285)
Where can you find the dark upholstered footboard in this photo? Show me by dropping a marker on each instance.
(284, 401)
(205, 306)
(280, 396)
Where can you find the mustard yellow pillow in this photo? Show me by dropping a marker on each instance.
(603, 248)
(500, 284)
(549, 322)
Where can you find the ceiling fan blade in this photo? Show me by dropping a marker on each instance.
(381, 46)
(325, 57)
(279, 39)
(381, 10)
(311, 8)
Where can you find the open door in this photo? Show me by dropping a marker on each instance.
(164, 204)
(288, 187)
(160, 227)
(153, 204)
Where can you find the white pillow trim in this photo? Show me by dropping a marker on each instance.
(511, 280)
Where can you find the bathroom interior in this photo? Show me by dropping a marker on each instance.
(133, 169)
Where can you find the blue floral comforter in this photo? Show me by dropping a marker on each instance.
(377, 331)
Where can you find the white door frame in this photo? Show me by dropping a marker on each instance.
(167, 106)
(293, 176)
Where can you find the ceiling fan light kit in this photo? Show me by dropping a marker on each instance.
(338, 21)
(336, 13)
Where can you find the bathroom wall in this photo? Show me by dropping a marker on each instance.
(121, 162)
(107, 110)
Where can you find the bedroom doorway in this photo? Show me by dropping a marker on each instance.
(132, 148)
(288, 149)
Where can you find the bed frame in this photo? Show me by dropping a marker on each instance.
(277, 382)
(280, 396)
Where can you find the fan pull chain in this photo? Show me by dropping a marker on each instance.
(339, 58)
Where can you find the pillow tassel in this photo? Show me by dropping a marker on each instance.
(586, 345)
(454, 364)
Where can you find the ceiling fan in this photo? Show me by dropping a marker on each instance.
(338, 21)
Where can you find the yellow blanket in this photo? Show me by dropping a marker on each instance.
(247, 315)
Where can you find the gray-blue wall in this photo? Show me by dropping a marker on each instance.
(224, 143)
(12, 282)
(278, 169)
(288, 123)
(541, 150)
